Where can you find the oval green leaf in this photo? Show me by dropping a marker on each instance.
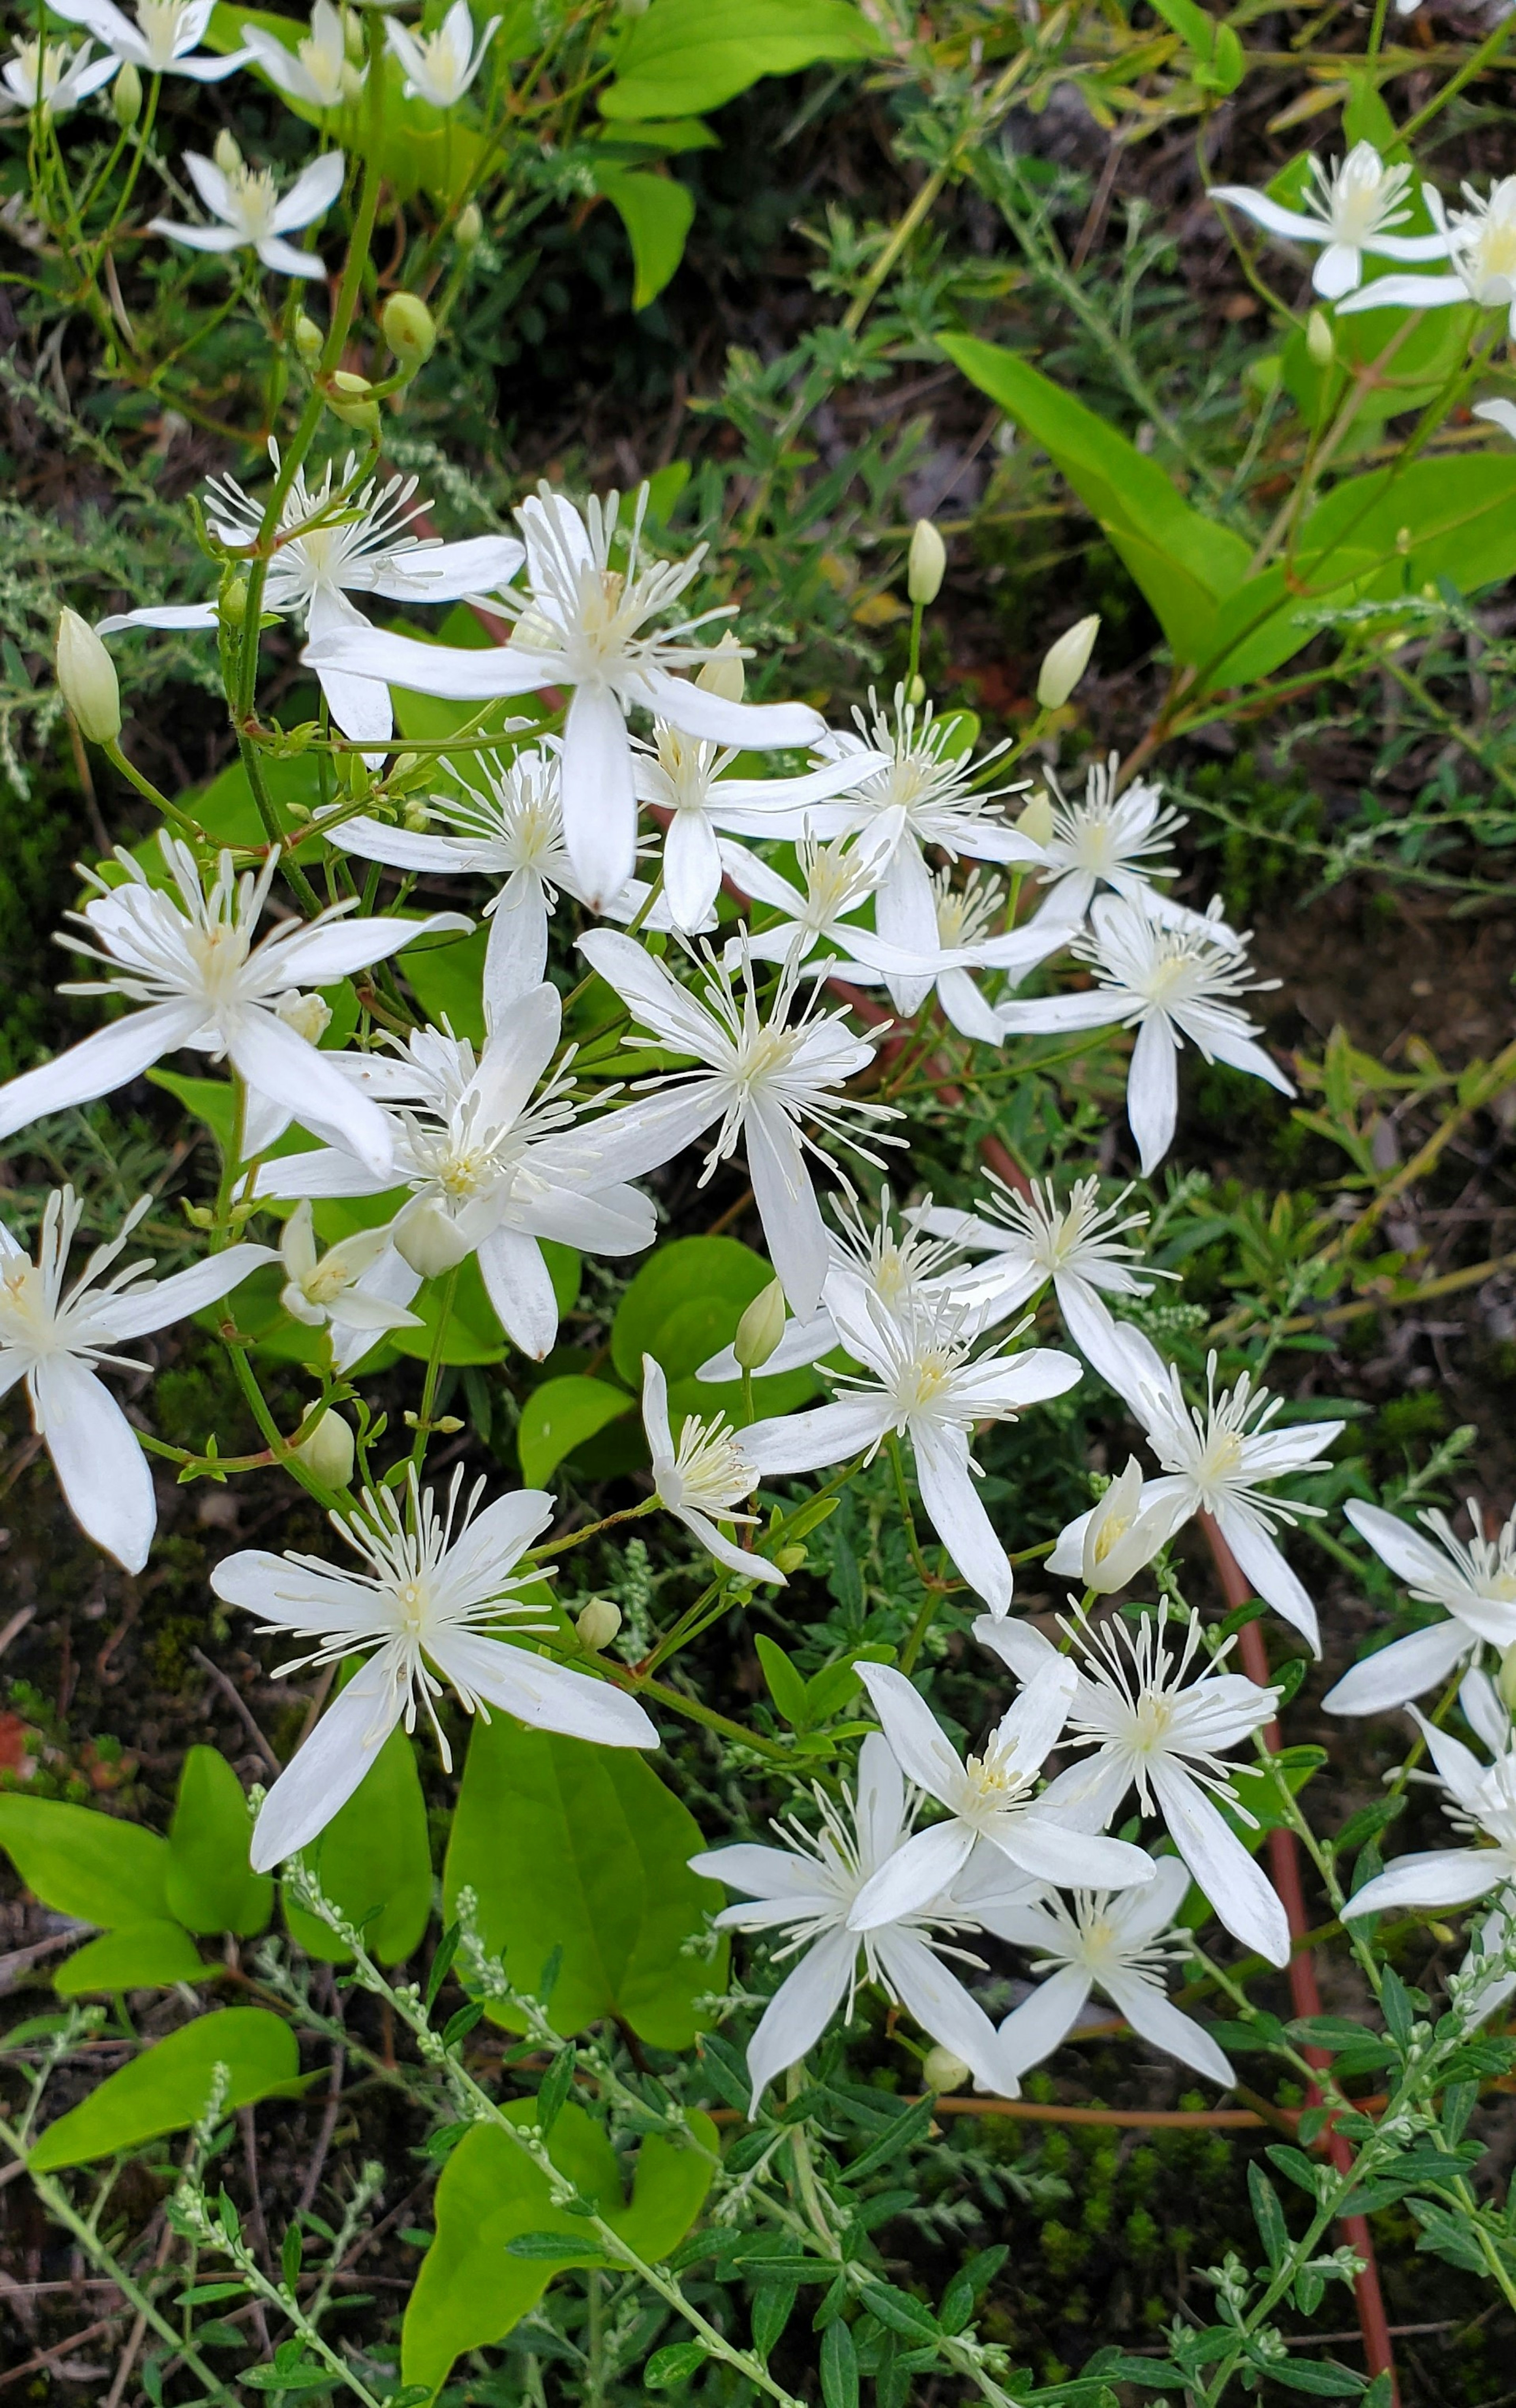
(81, 1862)
(209, 1885)
(168, 2086)
(142, 1956)
(561, 1415)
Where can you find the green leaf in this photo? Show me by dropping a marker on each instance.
(374, 1861)
(561, 1415)
(473, 1333)
(582, 1848)
(81, 1862)
(169, 2085)
(140, 1956)
(1184, 562)
(682, 1307)
(674, 2364)
(1220, 63)
(210, 1885)
(785, 1686)
(472, 2289)
(657, 212)
(839, 2367)
(680, 57)
(448, 981)
(1319, 2378)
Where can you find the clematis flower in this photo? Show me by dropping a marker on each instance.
(703, 1479)
(441, 65)
(187, 958)
(1153, 1728)
(1167, 983)
(333, 543)
(322, 1290)
(1121, 1947)
(965, 917)
(1214, 1462)
(1348, 210)
(57, 1340)
(251, 215)
(808, 1886)
(318, 71)
(52, 77)
(1080, 1246)
(1474, 1583)
(990, 1799)
(1480, 1801)
(434, 1607)
(840, 879)
(1480, 243)
(760, 1079)
(583, 624)
(922, 1382)
(1115, 840)
(162, 41)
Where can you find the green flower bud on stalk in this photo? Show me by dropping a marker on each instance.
(87, 679)
(1505, 1679)
(351, 398)
(1321, 346)
(470, 226)
(916, 691)
(226, 154)
(761, 1328)
(599, 1622)
(926, 564)
(126, 97)
(409, 329)
(942, 2071)
(232, 604)
(352, 34)
(727, 674)
(308, 338)
(1035, 819)
(330, 1450)
(1066, 663)
(790, 1559)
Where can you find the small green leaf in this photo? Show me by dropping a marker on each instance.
(561, 1415)
(81, 1862)
(674, 2364)
(839, 2367)
(785, 1687)
(169, 2085)
(139, 1956)
(209, 1885)
(657, 212)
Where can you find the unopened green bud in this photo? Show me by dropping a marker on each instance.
(1036, 820)
(916, 691)
(942, 2071)
(87, 679)
(308, 338)
(126, 97)
(417, 816)
(351, 398)
(409, 328)
(470, 227)
(329, 1452)
(790, 1559)
(761, 1328)
(227, 156)
(1505, 1679)
(724, 674)
(926, 563)
(233, 604)
(599, 1622)
(1320, 345)
(352, 34)
(1066, 663)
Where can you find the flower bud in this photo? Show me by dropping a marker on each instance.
(308, 1015)
(1320, 347)
(916, 691)
(87, 679)
(126, 97)
(761, 1328)
(351, 398)
(352, 34)
(790, 1559)
(409, 329)
(926, 563)
(417, 816)
(1066, 663)
(429, 1238)
(470, 227)
(1120, 1536)
(1505, 1679)
(308, 338)
(725, 674)
(232, 601)
(1035, 819)
(329, 1452)
(350, 80)
(227, 156)
(942, 2071)
(599, 1622)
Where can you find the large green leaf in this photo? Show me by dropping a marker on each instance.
(583, 1849)
(657, 212)
(559, 1416)
(471, 2291)
(210, 1885)
(685, 1306)
(680, 57)
(142, 1956)
(81, 1862)
(169, 2085)
(373, 1860)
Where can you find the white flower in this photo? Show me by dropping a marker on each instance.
(318, 70)
(990, 1799)
(1152, 1726)
(494, 1164)
(163, 40)
(1350, 212)
(1117, 840)
(965, 917)
(1481, 1801)
(807, 1887)
(840, 877)
(192, 965)
(1122, 1535)
(253, 216)
(1121, 1947)
(703, 1479)
(1474, 1583)
(925, 1384)
(1481, 243)
(584, 624)
(1213, 1463)
(333, 543)
(761, 1079)
(321, 1289)
(436, 1587)
(56, 1341)
(1078, 1246)
(1167, 983)
(441, 65)
(52, 77)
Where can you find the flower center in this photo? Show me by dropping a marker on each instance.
(220, 953)
(710, 1472)
(767, 1052)
(993, 1782)
(26, 1318)
(253, 197)
(158, 22)
(412, 1605)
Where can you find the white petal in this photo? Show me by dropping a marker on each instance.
(1264, 1565)
(311, 193)
(762, 1872)
(726, 1551)
(1070, 1860)
(160, 1301)
(1406, 292)
(284, 1067)
(1044, 2021)
(881, 1800)
(1153, 1090)
(950, 1499)
(483, 675)
(756, 726)
(344, 1745)
(944, 2009)
(1444, 1877)
(489, 1549)
(1417, 1560)
(101, 1467)
(111, 1058)
(787, 1207)
(691, 868)
(521, 1289)
(516, 954)
(819, 1439)
(914, 1875)
(1269, 213)
(1406, 1669)
(1157, 2019)
(1339, 269)
(599, 800)
(546, 1696)
(801, 2008)
(1241, 1898)
(1031, 1726)
(445, 572)
(917, 1744)
(652, 998)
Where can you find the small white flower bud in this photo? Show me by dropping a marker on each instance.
(351, 398)
(1319, 346)
(429, 1238)
(1119, 1538)
(126, 97)
(926, 564)
(942, 2071)
(916, 691)
(308, 1015)
(724, 675)
(1066, 663)
(352, 34)
(350, 80)
(409, 328)
(1036, 818)
(308, 338)
(227, 156)
(87, 679)
(232, 604)
(1505, 1679)
(470, 227)
(599, 1622)
(330, 1451)
(761, 1328)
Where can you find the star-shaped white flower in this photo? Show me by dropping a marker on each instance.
(318, 71)
(1121, 1946)
(1481, 243)
(807, 1887)
(991, 1800)
(1350, 212)
(1116, 839)
(334, 542)
(56, 1341)
(434, 1607)
(703, 1477)
(1168, 985)
(251, 216)
(186, 957)
(585, 623)
(52, 77)
(322, 1290)
(1480, 1801)
(162, 41)
(1152, 1728)
(966, 918)
(1475, 1584)
(840, 879)
(441, 65)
